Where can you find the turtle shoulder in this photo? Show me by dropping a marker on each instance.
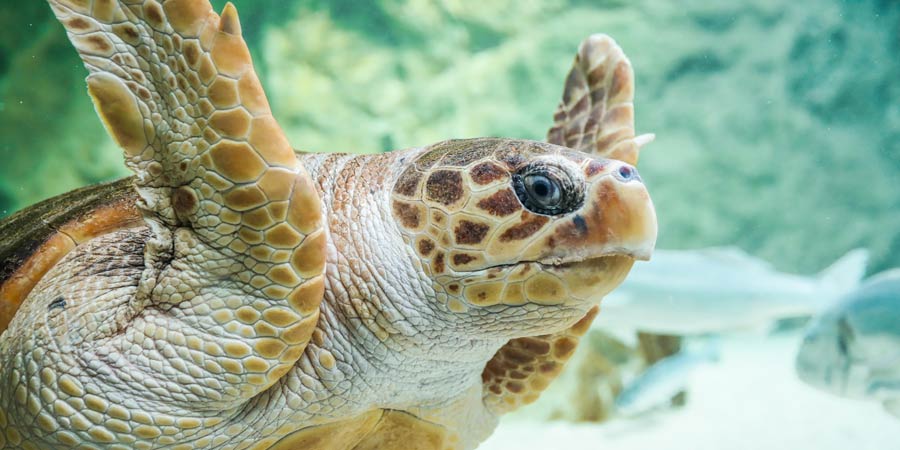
(374, 430)
(35, 239)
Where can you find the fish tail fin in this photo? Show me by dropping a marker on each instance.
(845, 274)
(892, 406)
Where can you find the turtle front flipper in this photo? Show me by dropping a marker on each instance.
(524, 367)
(234, 212)
(596, 113)
(232, 274)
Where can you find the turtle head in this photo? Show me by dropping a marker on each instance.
(506, 224)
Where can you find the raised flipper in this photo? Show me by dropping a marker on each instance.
(524, 367)
(596, 113)
(232, 274)
(175, 87)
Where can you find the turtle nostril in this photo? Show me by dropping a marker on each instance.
(627, 173)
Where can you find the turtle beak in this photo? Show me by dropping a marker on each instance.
(622, 214)
(617, 219)
(615, 227)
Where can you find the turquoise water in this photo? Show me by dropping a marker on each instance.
(777, 122)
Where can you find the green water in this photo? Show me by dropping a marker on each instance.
(778, 122)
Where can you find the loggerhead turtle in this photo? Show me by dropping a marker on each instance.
(236, 294)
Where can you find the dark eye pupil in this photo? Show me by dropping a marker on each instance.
(543, 190)
(541, 187)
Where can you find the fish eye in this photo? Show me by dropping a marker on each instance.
(547, 189)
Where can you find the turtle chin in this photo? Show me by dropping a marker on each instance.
(592, 279)
(573, 284)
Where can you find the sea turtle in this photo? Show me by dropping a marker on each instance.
(236, 294)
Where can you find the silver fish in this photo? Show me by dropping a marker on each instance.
(853, 348)
(720, 289)
(657, 385)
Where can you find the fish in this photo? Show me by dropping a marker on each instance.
(853, 348)
(656, 385)
(720, 289)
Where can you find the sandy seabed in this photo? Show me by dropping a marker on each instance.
(749, 400)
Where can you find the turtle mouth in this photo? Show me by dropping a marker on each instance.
(568, 260)
(559, 263)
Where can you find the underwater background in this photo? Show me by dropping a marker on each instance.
(777, 124)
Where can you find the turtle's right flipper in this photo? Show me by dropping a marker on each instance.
(239, 234)
(596, 113)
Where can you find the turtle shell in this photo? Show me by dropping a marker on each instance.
(35, 239)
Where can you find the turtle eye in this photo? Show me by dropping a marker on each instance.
(542, 190)
(548, 190)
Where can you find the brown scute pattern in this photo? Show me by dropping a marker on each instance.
(487, 173)
(426, 246)
(514, 155)
(459, 207)
(408, 214)
(469, 233)
(444, 187)
(524, 367)
(438, 264)
(501, 204)
(458, 151)
(408, 183)
(596, 112)
(460, 259)
(465, 152)
(529, 225)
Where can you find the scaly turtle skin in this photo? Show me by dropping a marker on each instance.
(234, 294)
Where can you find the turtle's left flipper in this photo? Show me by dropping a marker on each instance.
(596, 113)
(524, 367)
(239, 249)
